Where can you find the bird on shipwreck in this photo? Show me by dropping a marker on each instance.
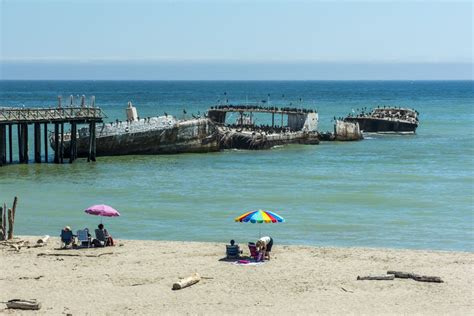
(282, 126)
(256, 127)
(168, 135)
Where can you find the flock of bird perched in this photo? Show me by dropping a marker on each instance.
(260, 108)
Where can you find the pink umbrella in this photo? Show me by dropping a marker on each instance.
(102, 210)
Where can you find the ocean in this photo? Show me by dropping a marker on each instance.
(385, 191)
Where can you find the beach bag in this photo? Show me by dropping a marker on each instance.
(110, 241)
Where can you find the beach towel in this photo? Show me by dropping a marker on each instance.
(248, 263)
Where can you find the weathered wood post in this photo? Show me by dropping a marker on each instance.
(56, 142)
(37, 142)
(3, 144)
(10, 142)
(273, 119)
(45, 142)
(11, 218)
(61, 146)
(3, 227)
(1, 224)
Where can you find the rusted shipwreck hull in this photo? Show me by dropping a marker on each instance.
(166, 135)
(190, 136)
(284, 126)
(233, 139)
(386, 120)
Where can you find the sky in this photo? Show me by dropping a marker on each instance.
(144, 39)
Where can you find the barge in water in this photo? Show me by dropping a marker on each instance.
(386, 120)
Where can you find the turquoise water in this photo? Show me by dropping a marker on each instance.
(386, 191)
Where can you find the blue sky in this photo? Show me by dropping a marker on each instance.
(105, 39)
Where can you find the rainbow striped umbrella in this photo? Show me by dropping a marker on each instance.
(260, 216)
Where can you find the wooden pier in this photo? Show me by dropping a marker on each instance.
(58, 116)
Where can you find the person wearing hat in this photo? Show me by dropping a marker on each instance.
(67, 236)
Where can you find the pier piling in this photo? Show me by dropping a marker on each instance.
(20, 143)
(37, 143)
(58, 115)
(56, 142)
(45, 142)
(61, 146)
(73, 143)
(3, 145)
(10, 142)
(92, 143)
(24, 134)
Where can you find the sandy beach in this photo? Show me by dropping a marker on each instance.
(135, 277)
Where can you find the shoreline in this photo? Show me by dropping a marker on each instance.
(282, 244)
(136, 277)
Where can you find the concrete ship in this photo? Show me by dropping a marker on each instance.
(148, 136)
(214, 132)
(286, 126)
(386, 120)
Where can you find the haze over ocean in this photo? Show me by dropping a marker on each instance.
(386, 191)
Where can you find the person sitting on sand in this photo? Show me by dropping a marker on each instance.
(103, 235)
(233, 250)
(67, 237)
(264, 245)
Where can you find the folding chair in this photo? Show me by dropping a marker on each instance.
(83, 237)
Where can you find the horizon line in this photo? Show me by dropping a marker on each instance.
(220, 61)
(239, 80)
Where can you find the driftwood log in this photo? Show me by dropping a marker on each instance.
(18, 245)
(195, 278)
(400, 275)
(23, 304)
(42, 254)
(416, 277)
(377, 277)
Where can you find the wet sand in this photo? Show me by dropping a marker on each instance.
(136, 277)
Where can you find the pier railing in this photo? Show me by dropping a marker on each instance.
(46, 115)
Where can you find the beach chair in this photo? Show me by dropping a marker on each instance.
(232, 251)
(253, 250)
(67, 238)
(101, 237)
(83, 238)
